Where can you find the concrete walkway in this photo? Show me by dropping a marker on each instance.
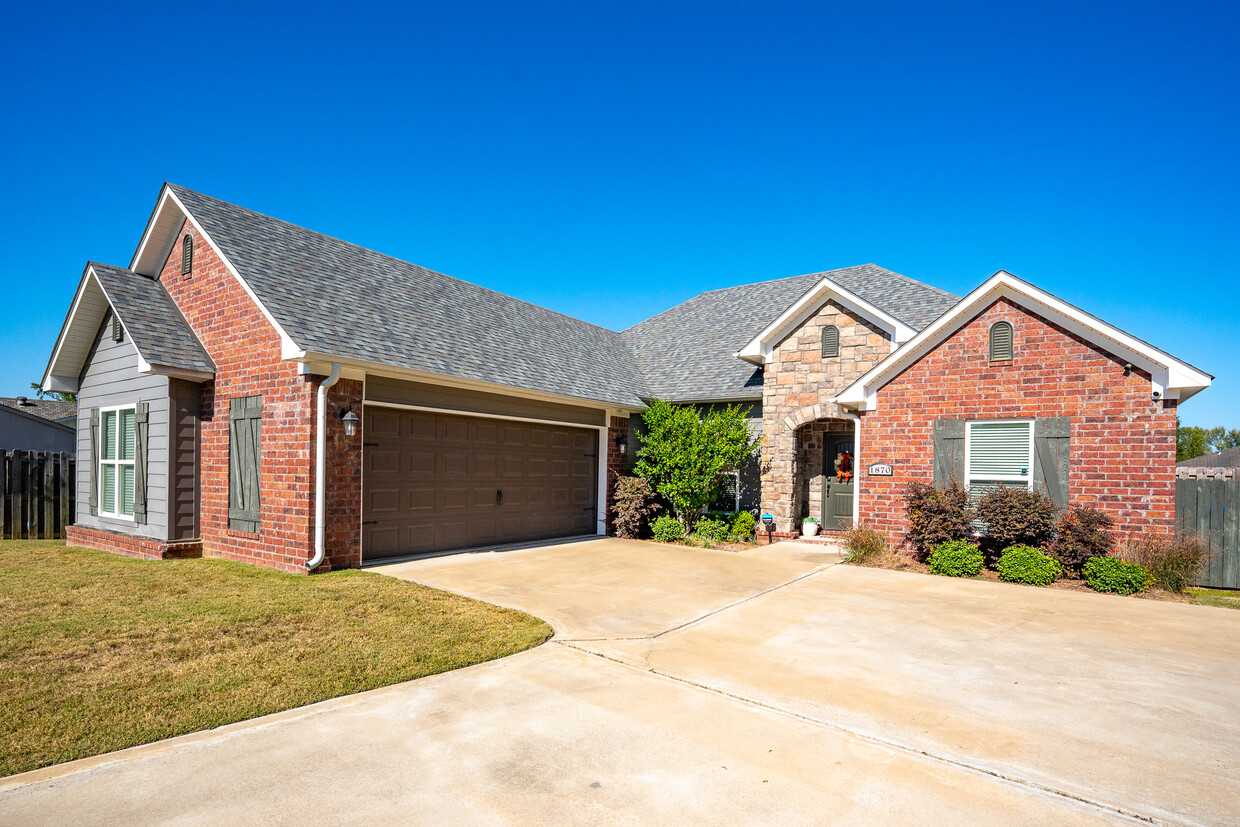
(704, 687)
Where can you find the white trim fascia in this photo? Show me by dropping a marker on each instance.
(311, 363)
(1169, 377)
(288, 347)
(758, 350)
(65, 328)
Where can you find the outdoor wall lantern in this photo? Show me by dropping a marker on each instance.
(622, 442)
(350, 422)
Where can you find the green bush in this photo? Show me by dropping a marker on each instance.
(667, 529)
(1111, 574)
(935, 515)
(1173, 564)
(1084, 533)
(713, 531)
(743, 525)
(1016, 517)
(1026, 564)
(863, 543)
(955, 558)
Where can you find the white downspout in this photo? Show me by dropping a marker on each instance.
(856, 517)
(320, 470)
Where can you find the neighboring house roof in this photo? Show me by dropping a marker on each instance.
(1226, 458)
(338, 299)
(689, 352)
(1169, 377)
(56, 410)
(159, 332)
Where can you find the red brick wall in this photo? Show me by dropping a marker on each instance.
(131, 545)
(246, 350)
(617, 464)
(1122, 450)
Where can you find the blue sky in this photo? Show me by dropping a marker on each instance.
(611, 160)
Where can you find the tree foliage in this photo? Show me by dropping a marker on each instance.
(1192, 441)
(63, 396)
(686, 453)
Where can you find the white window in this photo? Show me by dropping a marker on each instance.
(998, 453)
(116, 453)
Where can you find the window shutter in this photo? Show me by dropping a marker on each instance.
(830, 342)
(187, 255)
(141, 435)
(1000, 342)
(93, 500)
(948, 452)
(244, 425)
(1051, 444)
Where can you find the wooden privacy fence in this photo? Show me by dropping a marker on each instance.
(1208, 504)
(36, 494)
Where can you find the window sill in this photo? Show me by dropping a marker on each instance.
(233, 532)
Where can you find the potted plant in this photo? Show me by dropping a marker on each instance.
(809, 526)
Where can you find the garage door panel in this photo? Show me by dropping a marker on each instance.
(431, 480)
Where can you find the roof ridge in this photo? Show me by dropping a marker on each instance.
(394, 258)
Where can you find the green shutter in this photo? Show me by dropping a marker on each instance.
(93, 500)
(141, 437)
(187, 255)
(244, 426)
(830, 342)
(1051, 446)
(948, 452)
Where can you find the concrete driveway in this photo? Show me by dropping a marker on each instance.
(696, 686)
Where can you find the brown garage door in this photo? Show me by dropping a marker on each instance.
(433, 482)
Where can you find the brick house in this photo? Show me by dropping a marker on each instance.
(253, 390)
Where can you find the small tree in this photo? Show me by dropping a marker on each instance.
(1016, 517)
(634, 503)
(936, 515)
(686, 453)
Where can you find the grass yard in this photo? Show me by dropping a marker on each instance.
(101, 652)
(1223, 598)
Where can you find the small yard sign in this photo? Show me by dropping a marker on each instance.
(881, 469)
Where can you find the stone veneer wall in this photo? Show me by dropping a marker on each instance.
(796, 386)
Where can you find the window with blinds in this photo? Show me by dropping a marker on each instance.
(117, 439)
(998, 454)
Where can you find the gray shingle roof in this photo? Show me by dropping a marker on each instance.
(159, 331)
(53, 409)
(688, 352)
(1226, 458)
(339, 299)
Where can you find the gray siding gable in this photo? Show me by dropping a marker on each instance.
(111, 378)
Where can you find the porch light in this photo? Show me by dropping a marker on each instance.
(622, 442)
(350, 422)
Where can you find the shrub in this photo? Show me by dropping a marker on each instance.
(743, 525)
(956, 558)
(713, 531)
(1084, 533)
(1172, 563)
(667, 529)
(936, 516)
(634, 503)
(863, 543)
(1111, 574)
(1016, 517)
(1025, 564)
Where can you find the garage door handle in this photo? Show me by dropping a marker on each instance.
(499, 497)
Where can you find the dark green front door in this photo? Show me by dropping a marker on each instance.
(837, 500)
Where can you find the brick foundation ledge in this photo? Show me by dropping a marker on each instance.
(145, 548)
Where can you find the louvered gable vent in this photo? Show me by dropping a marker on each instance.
(187, 255)
(830, 342)
(1001, 342)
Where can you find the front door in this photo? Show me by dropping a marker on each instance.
(839, 485)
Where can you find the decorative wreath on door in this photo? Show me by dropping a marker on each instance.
(843, 466)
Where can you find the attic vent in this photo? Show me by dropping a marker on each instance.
(830, 342)
(118, 332)
(187, 255)
(1001, 341)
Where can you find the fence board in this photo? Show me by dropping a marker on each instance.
(36, 494)
(1209, 507)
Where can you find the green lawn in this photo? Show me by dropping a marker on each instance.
(1222, 598)
(100, 652)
